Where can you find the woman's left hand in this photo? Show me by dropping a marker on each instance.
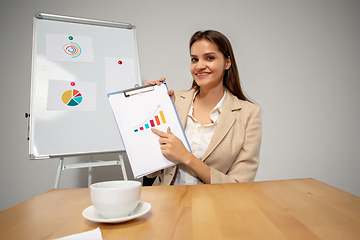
(158, 82)
(172, 147)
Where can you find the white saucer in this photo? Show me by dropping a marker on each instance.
(90, 214)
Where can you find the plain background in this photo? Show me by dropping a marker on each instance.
(299, 60)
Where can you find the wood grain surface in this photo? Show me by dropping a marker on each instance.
(284, 209)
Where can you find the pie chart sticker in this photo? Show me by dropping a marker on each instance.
(72, 97)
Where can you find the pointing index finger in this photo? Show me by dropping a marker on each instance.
(159, 133)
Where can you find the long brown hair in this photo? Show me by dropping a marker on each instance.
(231, 78)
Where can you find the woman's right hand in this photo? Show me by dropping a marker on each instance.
(158, 82)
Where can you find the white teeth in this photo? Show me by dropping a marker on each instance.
(202, 74)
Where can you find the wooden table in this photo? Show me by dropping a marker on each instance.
(286, 209)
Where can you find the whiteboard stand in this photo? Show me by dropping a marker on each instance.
(89, 165)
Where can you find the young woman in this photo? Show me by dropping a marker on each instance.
(222, 126)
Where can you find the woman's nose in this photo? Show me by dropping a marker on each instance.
(200, 65)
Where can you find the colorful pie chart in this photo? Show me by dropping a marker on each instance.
(72, 97)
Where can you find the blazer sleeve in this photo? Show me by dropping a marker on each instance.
(246, 163)
(154, 174)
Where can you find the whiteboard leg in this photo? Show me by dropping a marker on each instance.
(123, 167)
(90, 177)
(57, 180)
(90, 173)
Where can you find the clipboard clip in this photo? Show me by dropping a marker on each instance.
(139, 90)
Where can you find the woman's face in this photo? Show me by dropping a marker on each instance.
(208, 64)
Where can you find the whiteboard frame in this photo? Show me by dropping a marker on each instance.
(61, 18)
(70, 19)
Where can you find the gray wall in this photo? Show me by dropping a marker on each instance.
(299, 60)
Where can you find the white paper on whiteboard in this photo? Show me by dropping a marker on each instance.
(71, 96)
(120, 73)
(61, 47)
(135, 116)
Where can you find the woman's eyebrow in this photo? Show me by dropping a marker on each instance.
(205, 54)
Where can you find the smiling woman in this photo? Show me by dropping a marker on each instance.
(223, 127)
(208, 64)
(231, 79)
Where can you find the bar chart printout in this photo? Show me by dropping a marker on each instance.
(156, 119)
(136, 112)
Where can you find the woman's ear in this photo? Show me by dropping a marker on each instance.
(228, 63)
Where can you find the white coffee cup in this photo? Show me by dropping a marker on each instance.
(115, 199)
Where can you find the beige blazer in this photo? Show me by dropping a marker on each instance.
(233, 152)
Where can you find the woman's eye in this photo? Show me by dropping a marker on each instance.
(210, 58)
(194, 60)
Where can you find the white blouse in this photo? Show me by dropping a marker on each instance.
(199, 137)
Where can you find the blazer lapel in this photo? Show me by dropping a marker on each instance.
(226, 121)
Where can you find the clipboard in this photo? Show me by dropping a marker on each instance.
(136, 111)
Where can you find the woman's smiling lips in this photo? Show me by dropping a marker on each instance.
(202, 74)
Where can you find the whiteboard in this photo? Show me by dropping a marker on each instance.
(76, 62)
